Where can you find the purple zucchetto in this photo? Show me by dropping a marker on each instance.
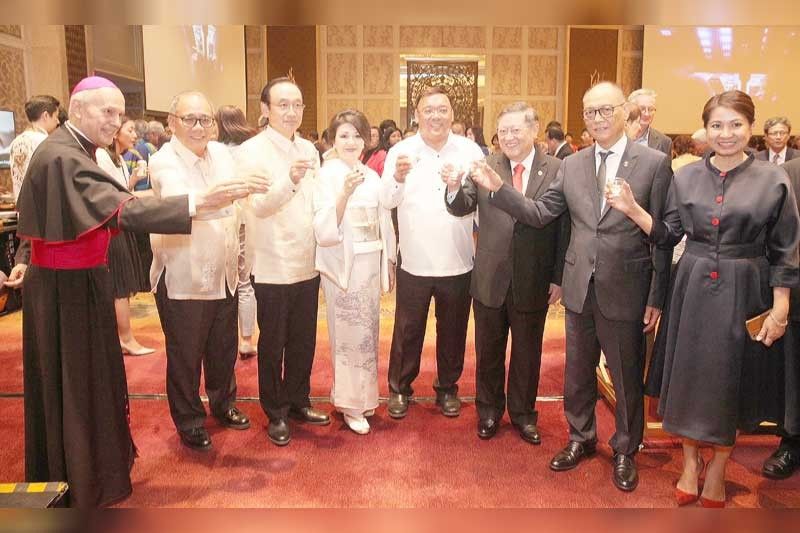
(92, 82)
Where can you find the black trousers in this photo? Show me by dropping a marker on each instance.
(622, 343)
(451, 296)
(491, 338)
(287, 320)
(199, 334)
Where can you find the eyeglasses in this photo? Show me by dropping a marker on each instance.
(647, 109)
(606, 111)
(428, 112)
(284, 106)
(778, 134)
(513, 131)
(190, 121)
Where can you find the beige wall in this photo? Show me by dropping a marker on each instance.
(359, 66)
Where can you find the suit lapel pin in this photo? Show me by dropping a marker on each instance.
(625, 164)
(540, 173)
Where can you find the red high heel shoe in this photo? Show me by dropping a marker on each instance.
(685, 498)
(711, 504)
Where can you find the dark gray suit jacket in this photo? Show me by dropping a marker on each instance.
(510, 252)
(564, 151)
(628, 272)
(791, 153)
(658, 141)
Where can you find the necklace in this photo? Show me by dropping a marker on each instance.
(69, 129)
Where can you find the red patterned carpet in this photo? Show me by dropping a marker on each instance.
(424, 460)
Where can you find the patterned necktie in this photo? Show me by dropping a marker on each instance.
(776, 158)
(601, 174)
(516, 179)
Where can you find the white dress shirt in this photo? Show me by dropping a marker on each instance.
(20, 152)
(200, 266)
(280, 237)
(781, 156)
(612, 163)
(432, 241)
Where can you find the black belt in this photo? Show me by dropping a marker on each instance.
(725, 251)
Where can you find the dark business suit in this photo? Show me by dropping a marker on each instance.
(514, 267)
(610, 275)
(791, 153)
(564, 151)
(658, 141)
(791, 424)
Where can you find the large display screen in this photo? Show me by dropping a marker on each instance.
(686, 65)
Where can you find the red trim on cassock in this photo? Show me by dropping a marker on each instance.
(88, 251)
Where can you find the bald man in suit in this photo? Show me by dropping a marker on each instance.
(614, 282)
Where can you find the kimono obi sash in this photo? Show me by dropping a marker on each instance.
(87, 251)
(364, 224)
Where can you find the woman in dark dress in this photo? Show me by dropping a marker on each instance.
(742, 226)
(124, 261)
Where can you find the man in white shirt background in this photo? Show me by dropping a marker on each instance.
(42, 113)
(281, 247)
(776, 136)
(436, 252)
(195, 276)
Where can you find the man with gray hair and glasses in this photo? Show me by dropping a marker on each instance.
(645, 100)
(195, 276)
(776, 136)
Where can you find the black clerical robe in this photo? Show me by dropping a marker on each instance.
(76, 401)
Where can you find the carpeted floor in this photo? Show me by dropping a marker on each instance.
(424, 460)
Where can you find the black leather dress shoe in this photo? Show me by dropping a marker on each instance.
(487, 428)
(278, 432)
(571, 455)
(310, 415)
(397, 406)
(781, 464)
(233, 418)
(449, 404)
(529, 433)
(625, 477)
(196, 438)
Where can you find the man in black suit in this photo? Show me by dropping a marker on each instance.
(645, 100)
(517, 275)
(613, 280)
(776, 136)
(557, 145)
(786, 459)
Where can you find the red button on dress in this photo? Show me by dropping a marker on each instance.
(715, 221)
(723, 174)
(714, 275)
(718, 199)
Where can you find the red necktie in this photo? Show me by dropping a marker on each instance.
(516, 179)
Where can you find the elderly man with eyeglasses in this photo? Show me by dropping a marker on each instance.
(776, 136)
(614, 283)
(282, 246)
(195, 276)
(645, 100)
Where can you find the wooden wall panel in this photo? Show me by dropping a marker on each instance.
(592, 58)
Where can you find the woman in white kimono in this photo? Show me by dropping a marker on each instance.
(356, 254)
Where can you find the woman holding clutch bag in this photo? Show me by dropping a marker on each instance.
(741, 257)
(356, 255)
